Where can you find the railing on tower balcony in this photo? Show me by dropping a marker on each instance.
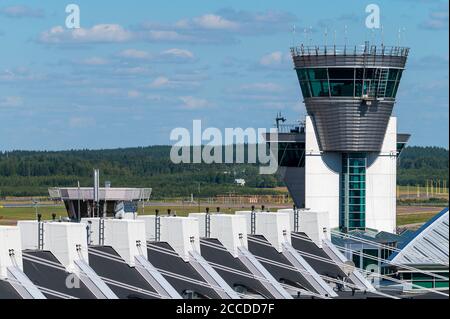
(308, 50)
(291, 128)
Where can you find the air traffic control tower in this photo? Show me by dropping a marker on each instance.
(343, 158)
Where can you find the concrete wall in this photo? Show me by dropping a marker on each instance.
(9, 239)
(381, 183)
(323, 180)
(230, 230)
(316, 226)
(123, 235)
(66, 241)
(176, 231)
(322, 177)
(275, 227)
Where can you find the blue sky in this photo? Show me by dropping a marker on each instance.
(138, 69)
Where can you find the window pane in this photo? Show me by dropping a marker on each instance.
(358, 88)
(441, 284)
(341, 88)
(341, 73)
(390, 88)
(291, 154)
(356, 216)
(370, 74)
(319, 88)
(356, 259)
(394, 94)
(424, 284)
(302, 76)
(305, 88)
(317, 74)
(393, 74)
(359, 74)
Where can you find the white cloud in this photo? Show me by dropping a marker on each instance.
(20, 74)
(160, 82)
(21, 11)
(100, 33)
(174, 55)
(178, 53)
(134, 54)
(165, 35)
(11, 101)
(221, 27)
(193, 103)
(274, 58)
(179, 82)
(132, 71)
(216, 22)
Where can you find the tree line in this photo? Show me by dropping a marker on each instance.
(27, 173)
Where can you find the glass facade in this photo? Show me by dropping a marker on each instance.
(349, 82)
(421, 280)
(353, 199)
(291, 154)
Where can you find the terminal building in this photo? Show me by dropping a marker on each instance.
(342, 158)
(84, 202)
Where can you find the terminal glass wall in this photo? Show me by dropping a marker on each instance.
(291, 154)
(421, 280)
(353, 190)
(349, 82)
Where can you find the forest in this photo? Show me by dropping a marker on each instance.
(27, 173)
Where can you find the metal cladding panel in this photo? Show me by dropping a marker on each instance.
(111, 194)
(316, 225)
(8, 292)
(9, 239)
(117, 269)
(53, 276)
(230, 230)
(275, 227)
(29, 234)
(324, 265)
(294, 178)
(67, 242)
(241, 274)
(164, 258)
(126, 237)
(429, 244)
(385, 61)
(279, 266)
(347, 125)
(181, 233)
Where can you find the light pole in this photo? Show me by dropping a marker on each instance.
(35, 203)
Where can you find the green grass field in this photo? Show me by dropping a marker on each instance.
(9, 216)
(413, 190)
(414, 218)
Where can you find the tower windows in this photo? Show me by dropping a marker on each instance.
(349, 82)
